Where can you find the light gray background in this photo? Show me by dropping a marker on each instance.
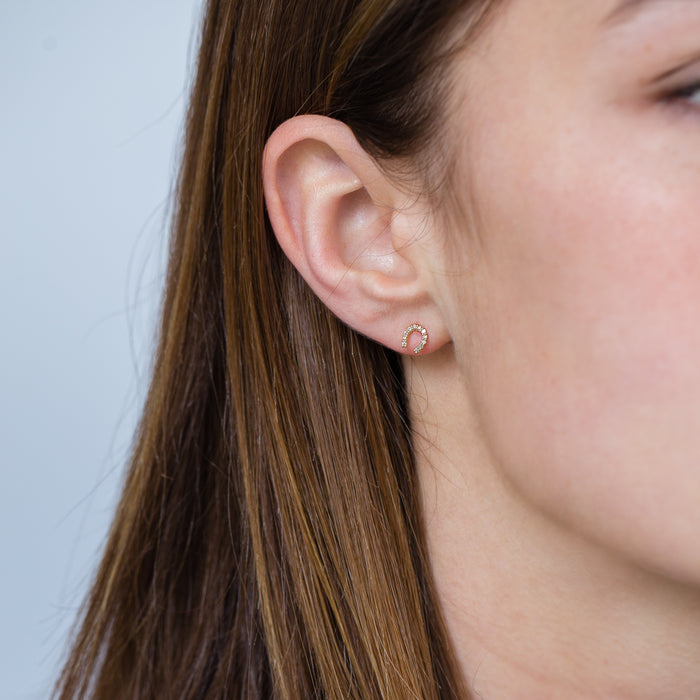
(92, 96)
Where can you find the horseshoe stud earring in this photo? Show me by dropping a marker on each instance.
(415, 328)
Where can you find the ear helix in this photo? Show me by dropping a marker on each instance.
(415, 328)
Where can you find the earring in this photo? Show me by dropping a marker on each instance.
(415, 328)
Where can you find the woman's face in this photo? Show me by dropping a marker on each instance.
(577, 315)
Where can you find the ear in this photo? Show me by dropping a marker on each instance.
(350, 232)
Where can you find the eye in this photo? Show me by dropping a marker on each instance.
(690, 94)
(686, 99)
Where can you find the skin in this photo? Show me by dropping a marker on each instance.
(584, 297)
(560, 433)
(556, 408)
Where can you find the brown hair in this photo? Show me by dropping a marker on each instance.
(268, 542)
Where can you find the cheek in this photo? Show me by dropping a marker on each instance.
(586, 338)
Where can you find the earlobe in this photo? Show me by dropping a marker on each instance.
(335, 214)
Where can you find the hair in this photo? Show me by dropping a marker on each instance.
(268, 541)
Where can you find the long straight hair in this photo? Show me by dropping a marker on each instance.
(268, 541)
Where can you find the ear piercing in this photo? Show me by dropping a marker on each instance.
(415, 328)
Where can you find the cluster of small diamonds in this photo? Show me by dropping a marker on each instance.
(415, 328)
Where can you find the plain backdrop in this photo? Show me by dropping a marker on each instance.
(92, 99)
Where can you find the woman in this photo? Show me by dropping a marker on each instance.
(424, 419)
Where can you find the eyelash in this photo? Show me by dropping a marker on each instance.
(682, 97)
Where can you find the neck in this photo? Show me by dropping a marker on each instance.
(534, 610)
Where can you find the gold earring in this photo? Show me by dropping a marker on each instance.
(415, 328)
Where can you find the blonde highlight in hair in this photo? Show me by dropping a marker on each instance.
(268, 542)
